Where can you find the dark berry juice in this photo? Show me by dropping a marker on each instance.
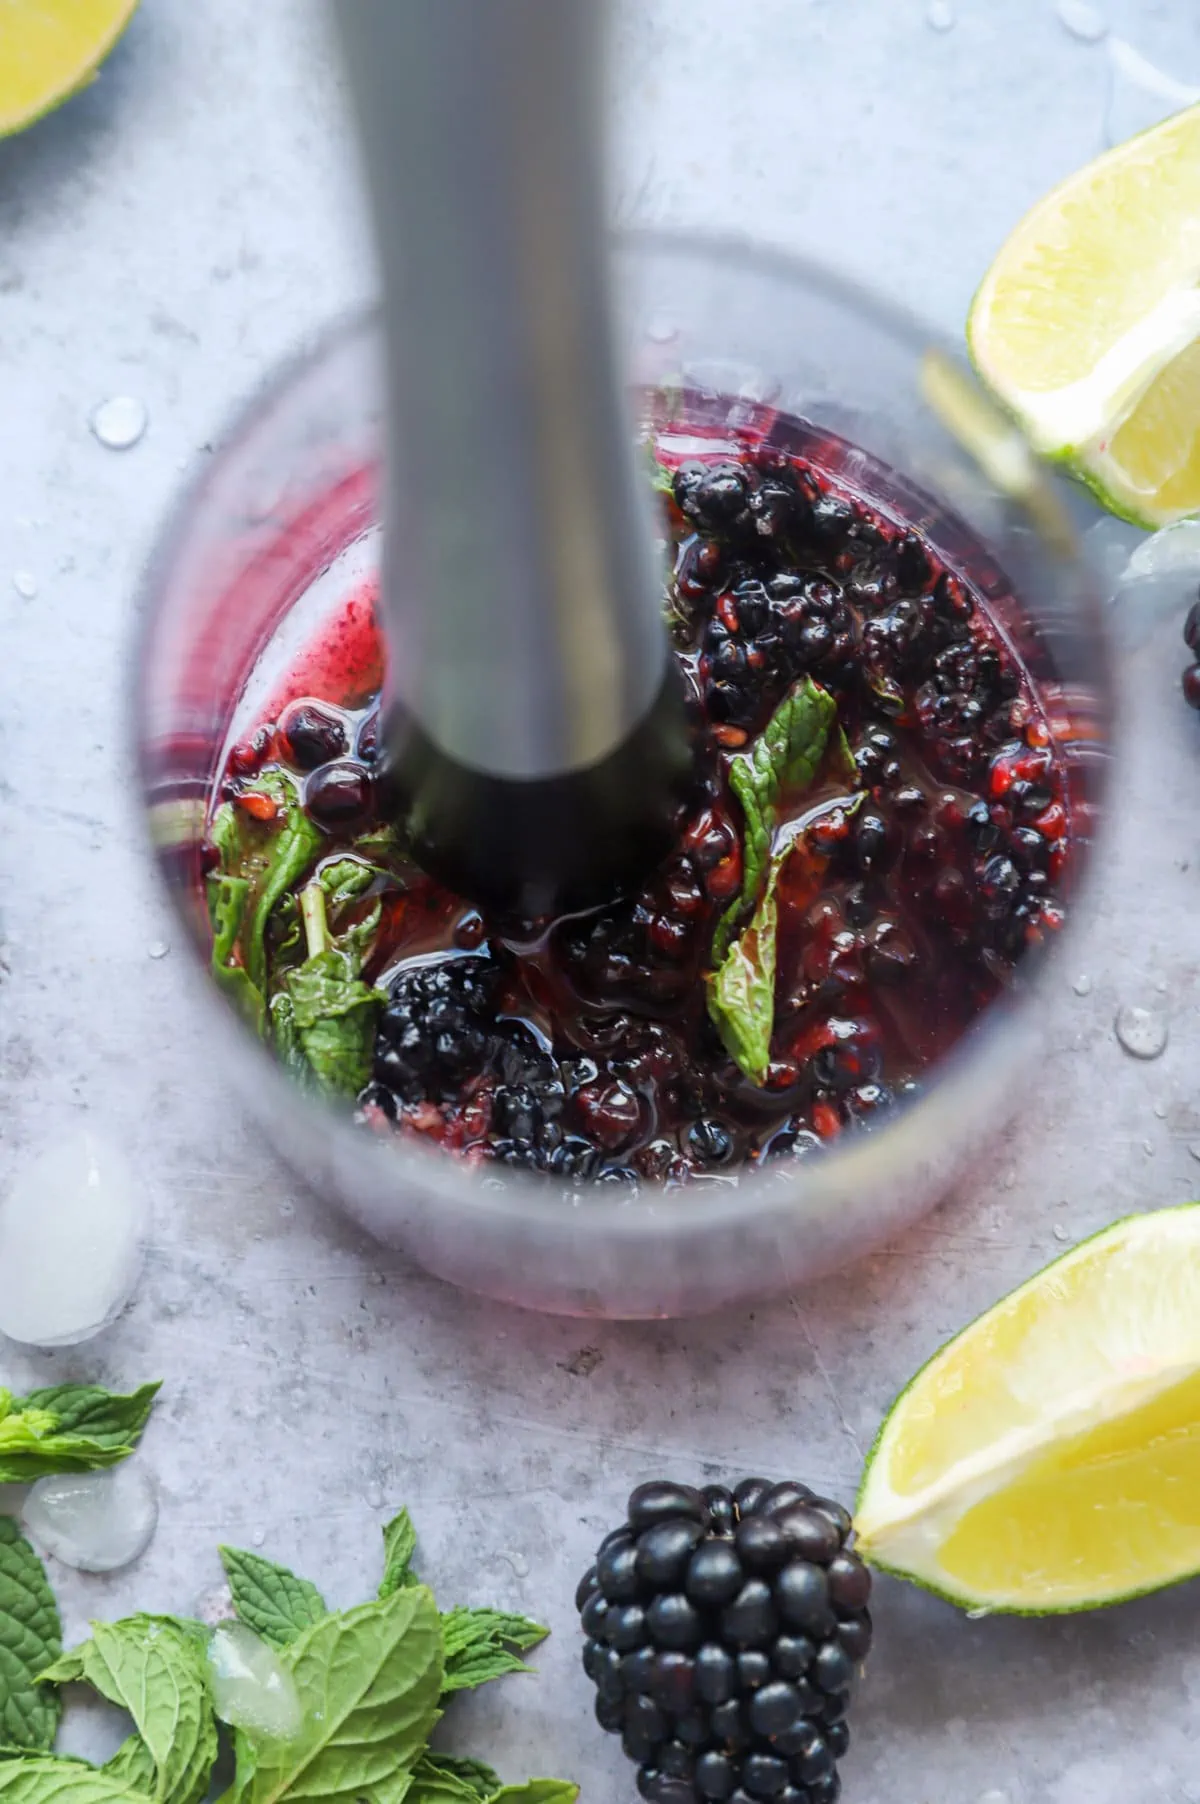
(877, 839)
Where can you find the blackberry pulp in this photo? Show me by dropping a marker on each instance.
(875, 843)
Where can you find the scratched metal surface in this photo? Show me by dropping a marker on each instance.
(173, 232)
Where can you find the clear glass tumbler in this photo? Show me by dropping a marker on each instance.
(281, 525)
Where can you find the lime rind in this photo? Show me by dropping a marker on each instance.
(70, 81)
(932, 1578)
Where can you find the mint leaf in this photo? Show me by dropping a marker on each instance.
(330, 1017)
(293, 851)
(345, 879)
(369, 1681)
(457, 1775)
(269, 857)
(786, 755)
(30, 1637)
(133, 1766)
(227, 900)
(334, 1015)
(60, 1781)
(69, 1428)
(152, 1667)
(110, 1419)
(433, 1783)
(399, 1547)
(481, 1645)
(537, 1791)
(269, 1599)
(741, 992)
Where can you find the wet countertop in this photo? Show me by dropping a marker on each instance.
(169, 236)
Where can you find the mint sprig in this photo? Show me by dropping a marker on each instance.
(69, 1428)
(786, 756)
(372, 1682)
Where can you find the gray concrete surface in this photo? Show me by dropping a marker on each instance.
(170, 234)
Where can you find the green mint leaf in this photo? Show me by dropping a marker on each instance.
(345, 879)
(741, 992)
(269, 1599)
(334, 1015)
(30, 1637)
(133, 1766)
(435, 1783)
(473, 1778)
(482, 1645)
(369, 1680)
(227, 900)
(152, 1666)
(61, 1781)
(785, 756)
(399, 1548)
(293, 851)
(111, 1419)
(70, 1428)
(537, 1791)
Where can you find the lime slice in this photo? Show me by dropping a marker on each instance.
(1048, 1458)
(49, 49)
(1088, 322)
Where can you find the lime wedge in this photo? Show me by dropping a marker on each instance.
(49, 49)
(1087, 325)
(1048, 1458)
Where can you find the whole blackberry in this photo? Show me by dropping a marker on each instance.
(1191, 638)
(723, 1632)
(434, 1031)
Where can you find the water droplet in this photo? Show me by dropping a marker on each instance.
(258, 1537)
(25, 583)
(662, 329)
(287, 1209)
(94, 1521)
(1162, 987)
(939, 15)
(251, 1687)
(374, 1497)
(517, 1561)
(119, 422)
(378, 1278)
(1143, 1032)
(1082, 985)
(71, 1230)
(978, 1614)
(1085, 22)
(1160, 1109)
(1010, 1179)
(158, 948)
(1060, 1231)
(1148, 1148)
(215, 1605)
(1140, 94)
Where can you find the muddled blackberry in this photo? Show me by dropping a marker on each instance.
(927, 852)
(723, 1632)
(435, 1030)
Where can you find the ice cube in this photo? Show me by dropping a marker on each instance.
(71, 1231)
(94, 1521)
(251, 1687)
